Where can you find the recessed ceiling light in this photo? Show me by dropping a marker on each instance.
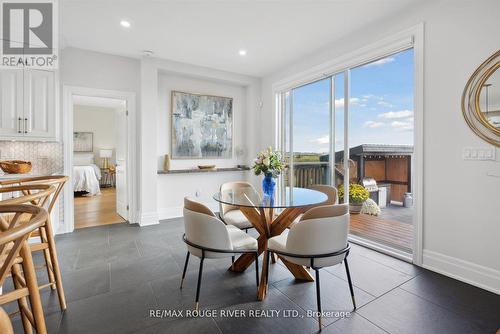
(125, 23)
(242, 52)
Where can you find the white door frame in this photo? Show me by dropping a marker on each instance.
(411, 37)
(68, 224)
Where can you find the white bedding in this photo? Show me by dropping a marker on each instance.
(86, 178)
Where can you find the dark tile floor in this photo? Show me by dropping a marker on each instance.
(114, 275)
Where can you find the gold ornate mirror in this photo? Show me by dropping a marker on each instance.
(481, 100)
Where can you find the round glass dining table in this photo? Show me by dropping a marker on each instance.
(270, 216)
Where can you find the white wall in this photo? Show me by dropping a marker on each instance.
(83, 68)
(172, 188)
(160, 196)
(461, 221)
(99, 121)
(174, 82)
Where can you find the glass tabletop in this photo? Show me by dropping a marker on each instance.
(292, 198)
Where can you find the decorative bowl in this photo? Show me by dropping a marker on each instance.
(206, 166)
(15, 166)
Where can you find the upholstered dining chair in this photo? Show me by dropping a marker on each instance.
(329, 191)
(42, 195)
(207, 237)
(15, 259)
(231, 215)
(318, 240)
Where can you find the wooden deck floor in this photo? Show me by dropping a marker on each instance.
(392, 233)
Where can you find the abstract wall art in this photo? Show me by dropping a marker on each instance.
(83, 141)
(202, 126)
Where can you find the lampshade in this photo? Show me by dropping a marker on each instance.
(106, 153)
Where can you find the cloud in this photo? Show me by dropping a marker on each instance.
(321, 140)
(403, 125)
(396, 114)
(339, 103)
(373, 124)
(381, 62)
(384, 103)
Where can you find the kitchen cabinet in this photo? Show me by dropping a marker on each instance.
(28, 105)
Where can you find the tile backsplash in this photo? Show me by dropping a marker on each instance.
(46, 158)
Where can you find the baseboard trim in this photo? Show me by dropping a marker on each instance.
(148, 218)
(468, 272)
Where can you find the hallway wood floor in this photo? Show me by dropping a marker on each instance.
(97, 210)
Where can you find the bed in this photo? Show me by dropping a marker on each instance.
(86, 174)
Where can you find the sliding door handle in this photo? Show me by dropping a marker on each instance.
(19, 125)
(25, 125)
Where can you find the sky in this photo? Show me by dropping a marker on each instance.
(381, 107)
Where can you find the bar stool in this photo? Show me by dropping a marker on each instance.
(15, 258)
(41, 195)
(58, 181)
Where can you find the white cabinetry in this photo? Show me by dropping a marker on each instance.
(27, 105)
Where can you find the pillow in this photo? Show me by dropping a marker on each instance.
(80, 159)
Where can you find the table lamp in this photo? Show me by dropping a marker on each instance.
(105, 154)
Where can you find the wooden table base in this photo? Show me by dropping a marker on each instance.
(269, 226)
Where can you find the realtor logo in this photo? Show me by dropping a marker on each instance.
(28, 34)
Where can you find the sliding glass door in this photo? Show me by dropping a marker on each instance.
(356, 127)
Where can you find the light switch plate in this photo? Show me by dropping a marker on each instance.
(478, 153)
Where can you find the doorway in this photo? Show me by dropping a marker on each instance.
(98, 154)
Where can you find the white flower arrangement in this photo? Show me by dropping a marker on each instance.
(370, 207)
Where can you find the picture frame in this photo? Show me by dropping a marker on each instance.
(201, 126)
(83, 141)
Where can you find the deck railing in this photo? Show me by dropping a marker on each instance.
(308, 173)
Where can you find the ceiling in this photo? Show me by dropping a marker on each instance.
(210, 33)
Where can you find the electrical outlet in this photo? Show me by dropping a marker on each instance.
(478, 153)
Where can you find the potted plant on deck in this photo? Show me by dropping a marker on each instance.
(357, 196)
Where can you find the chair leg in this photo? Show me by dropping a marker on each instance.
(267, 267)
(232, 262)
(23, 301)
(55, 264)
(185, 268)
(273, 258)
(34, 293)
(48, 262)
(350, 282)
(318, 297)
(257, 268)
(199, 283)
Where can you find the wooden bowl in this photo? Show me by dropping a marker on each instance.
(206, 166)
(15, 166)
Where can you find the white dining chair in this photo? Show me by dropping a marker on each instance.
(318, 240)
(330, 191)
(231, 215)
(207, 237)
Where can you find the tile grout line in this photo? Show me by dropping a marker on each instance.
(388, 266)
(386, 293)
(344, 279)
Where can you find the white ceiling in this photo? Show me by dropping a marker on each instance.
(210, 33)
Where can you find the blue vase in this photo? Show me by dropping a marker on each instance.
(268, 185)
